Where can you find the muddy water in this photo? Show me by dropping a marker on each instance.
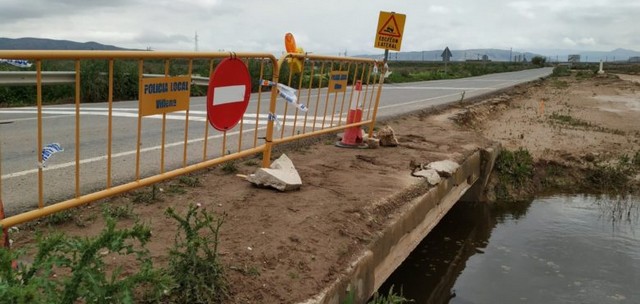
(561, 249)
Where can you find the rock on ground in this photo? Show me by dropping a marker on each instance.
(387, 137)
(282, 175)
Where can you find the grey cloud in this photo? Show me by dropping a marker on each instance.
(154, 37)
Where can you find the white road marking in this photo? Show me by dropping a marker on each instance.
(124, 112)
(419, 101)
(104, 157)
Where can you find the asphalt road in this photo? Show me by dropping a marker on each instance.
(18, 131)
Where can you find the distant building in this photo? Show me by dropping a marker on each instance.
(634, 59)
(574, 58)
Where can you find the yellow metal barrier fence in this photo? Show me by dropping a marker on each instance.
(109, 158)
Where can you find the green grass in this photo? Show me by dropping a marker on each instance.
(559, 84)
(190, 181)
(569, 120)
(410, 71)
(61, 217)
(229, 167)
(118, 211)
(515, 171)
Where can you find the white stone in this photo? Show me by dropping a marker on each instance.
(432, 176)
(445, 168)
(281, 175)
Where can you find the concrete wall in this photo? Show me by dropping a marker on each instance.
(369, 271)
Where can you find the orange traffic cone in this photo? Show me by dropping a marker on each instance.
(353, 136)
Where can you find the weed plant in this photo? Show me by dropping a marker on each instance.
(193, 261)
(515, 171)
(72, 270)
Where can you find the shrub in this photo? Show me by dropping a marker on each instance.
(193, 262)
(72, 269)
(539, 60)
(561, 70)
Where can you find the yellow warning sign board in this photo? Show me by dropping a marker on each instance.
(164, 95)
(390, 29)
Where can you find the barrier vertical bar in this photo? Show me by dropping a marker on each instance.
(5, 232)
(77, 100)
(255, 137)
(326, 102)
(186, 118)
(373, 88)
(315, 113)
(206, 123)
(164, 122)
(295, 118)
(266, 155)
(335, 98)
(39, 149)
(110, 123)
(366, 88)
(306, 114)
(375, 107)
(351, 95)
(140, 89)
(224, 143)
(286, 105)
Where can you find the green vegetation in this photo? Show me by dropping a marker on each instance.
(61, 217)
(408, 71)
(539, 61)
(390, 298)
(569, 120)
(613, 177)
(515, 170)
(80, 269)
(118, 211)
(72, 270)
(193, 262)
(229, 167)
(561, 70)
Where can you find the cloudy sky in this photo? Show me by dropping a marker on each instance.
(328, 26)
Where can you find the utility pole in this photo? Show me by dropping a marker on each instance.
(510, 54)
(196, 40)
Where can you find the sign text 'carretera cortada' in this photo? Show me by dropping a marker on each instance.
(164, 95)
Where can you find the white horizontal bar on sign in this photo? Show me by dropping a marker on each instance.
(228, 94)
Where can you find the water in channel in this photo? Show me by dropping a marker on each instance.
(560, 249)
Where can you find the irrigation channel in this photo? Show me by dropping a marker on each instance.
(557, 249)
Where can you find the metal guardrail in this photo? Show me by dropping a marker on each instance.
(24, 78)
(328, 106)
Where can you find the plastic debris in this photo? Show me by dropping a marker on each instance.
(17, 62)
(274, 118)
(49, 150)
(288, 93)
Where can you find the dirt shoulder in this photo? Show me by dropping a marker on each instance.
(285, 247)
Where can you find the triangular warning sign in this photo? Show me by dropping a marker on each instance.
(390, 28)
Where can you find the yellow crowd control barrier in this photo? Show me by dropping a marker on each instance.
(114, 147)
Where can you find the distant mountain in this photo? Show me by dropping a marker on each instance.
(51, 44)
(591, 56)
(459, 55)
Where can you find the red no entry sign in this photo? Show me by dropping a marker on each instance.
(228, 94)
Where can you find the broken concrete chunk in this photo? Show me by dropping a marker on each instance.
(445, 168)
(387, 137)
(432, 176)
(282, 175)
